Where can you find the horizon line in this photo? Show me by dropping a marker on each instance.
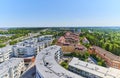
(52, 26)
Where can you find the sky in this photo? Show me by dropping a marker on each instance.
(40, 13)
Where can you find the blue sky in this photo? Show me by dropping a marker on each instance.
(16, 13)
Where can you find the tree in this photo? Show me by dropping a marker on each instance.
(65, 65)
(13, 42)
(2, 45)
(99, 63)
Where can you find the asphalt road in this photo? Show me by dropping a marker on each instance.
(29, 73)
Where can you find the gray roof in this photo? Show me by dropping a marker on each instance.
(53, 70)
(5, 49)
(95, 69)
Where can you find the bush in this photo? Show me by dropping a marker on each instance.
(65, 65)
(13, 42)
(2, 45)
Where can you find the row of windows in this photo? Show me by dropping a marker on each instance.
(83, 73)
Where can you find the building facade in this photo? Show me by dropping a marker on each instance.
(47, 64)
(70, 43)
(85, 41)
(28, 49)
(24, 51)
(5, 53)
(31, 47)
(69, 39)
(12, 68)
(110, 59)
(89, 70)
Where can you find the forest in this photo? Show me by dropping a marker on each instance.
(106, 38)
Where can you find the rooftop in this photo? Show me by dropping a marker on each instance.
(67, 37)
(30, 43)
(95, 69)
(107, 53)
(53, 69)
(5, 49)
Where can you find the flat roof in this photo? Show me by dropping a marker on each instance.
(30, 42)
(53, 69)
(95, 69)
(5, 49)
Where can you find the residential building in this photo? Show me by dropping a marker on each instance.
(5, 53)
(47, 64)
(12, 68)
(80, 48)
(70, 43)
(110, 59)
(29, 48)
(32, 46)
(47, 39)
(89, 70)
(23, 51)
(69, 39)
(85, 41)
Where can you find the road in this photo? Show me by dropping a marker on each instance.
(29, 73)
(23, 38)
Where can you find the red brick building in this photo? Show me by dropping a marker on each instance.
(69, 39)
(110, 59)
(70, 42)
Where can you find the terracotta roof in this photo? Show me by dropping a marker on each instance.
(68, 36)
(80, 47)
(61, 39)
(107, 53)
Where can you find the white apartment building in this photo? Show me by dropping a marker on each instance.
(45, 37)
(12, 68)
(47, 64)
(89, 70)
(23, 51)
(5, 53)
(32, 46)
(31, 40)
(27, 50)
